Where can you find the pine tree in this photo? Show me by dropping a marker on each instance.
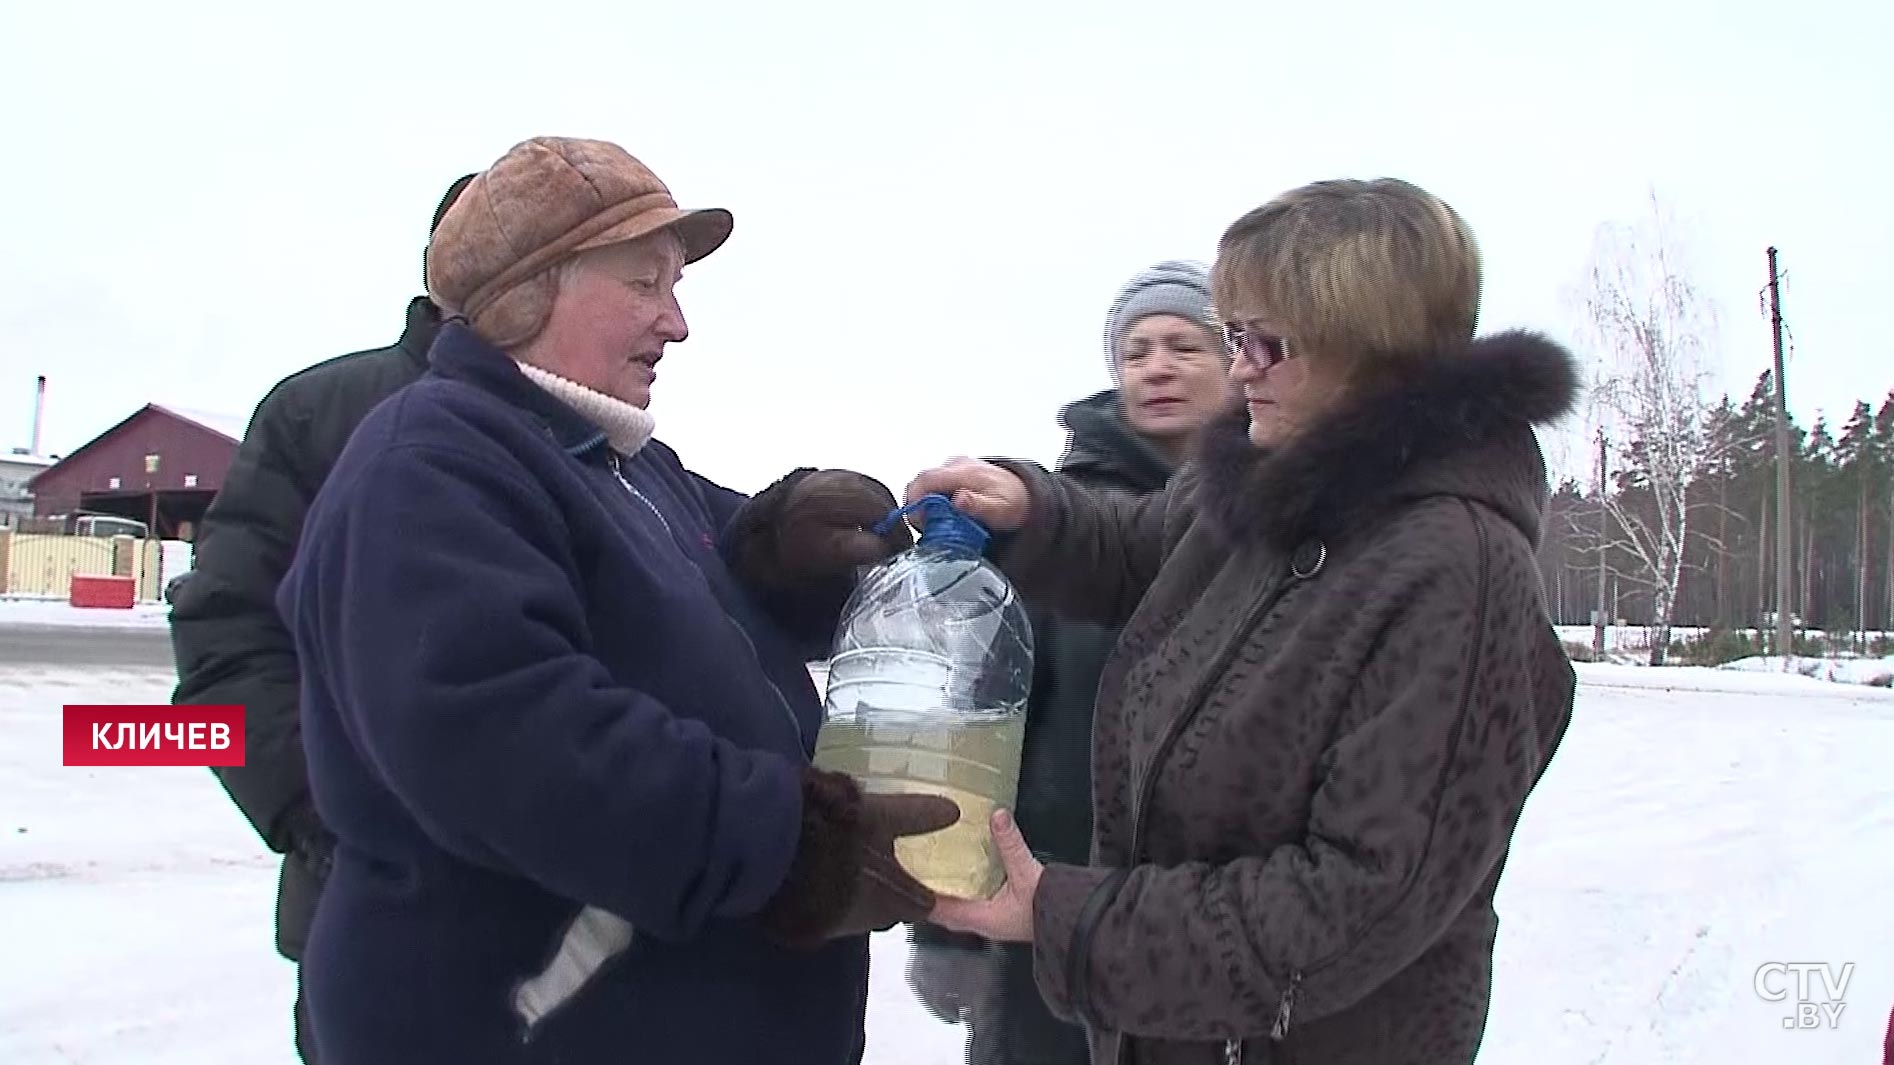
(1859, 466)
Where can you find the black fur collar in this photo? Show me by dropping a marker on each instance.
(1459, 423)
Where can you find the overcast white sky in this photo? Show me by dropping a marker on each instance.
(934, 202)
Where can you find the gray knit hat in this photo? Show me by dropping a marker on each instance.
(1174, 286)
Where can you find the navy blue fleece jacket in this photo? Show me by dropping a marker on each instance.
(541, 715)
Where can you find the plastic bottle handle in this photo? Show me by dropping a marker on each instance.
(945, 524)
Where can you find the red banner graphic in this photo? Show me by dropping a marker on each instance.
(98, 735)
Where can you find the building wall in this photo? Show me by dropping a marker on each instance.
(188, 456)
(15, 472)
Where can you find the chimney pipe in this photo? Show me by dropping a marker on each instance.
(39, 413)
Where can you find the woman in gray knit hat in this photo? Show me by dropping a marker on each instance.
(1165, 353)
(1165, 350)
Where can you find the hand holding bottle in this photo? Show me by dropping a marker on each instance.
(1007, 917)
(845, 880)
(987, 493)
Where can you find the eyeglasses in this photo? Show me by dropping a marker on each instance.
(1263, 350)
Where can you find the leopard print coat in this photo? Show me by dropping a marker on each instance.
(1336, 688)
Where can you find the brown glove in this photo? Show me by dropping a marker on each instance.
(845, 880)
(812, 526)
(798, 543)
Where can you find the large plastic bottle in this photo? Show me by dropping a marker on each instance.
(927, 692)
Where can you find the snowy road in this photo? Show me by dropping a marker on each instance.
(1696, 826)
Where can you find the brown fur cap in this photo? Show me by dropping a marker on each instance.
(547, 199)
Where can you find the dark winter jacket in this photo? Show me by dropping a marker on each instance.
(537, 707)
(1009, 1020)
(230, 644)
(1054, 807)
(1335, 691)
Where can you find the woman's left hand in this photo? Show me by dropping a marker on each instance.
(1007, 916)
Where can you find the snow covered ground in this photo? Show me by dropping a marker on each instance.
(1697, 824)
(59, 612)
(1876, 671)
(1638, 637)
(1629, 645)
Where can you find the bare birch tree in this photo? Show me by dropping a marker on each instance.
(1652, 331)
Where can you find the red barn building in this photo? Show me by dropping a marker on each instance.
(161, 466)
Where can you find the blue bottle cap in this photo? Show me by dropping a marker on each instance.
(945, 525)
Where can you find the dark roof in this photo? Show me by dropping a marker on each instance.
(222, 425)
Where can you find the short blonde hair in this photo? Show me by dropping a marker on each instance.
(1360, 271)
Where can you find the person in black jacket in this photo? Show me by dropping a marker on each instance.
(230, 644)
(1166, 356)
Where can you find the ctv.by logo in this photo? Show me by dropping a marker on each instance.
(1813, 989)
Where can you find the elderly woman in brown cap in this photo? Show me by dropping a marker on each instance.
(554, 695)
(1337, 685)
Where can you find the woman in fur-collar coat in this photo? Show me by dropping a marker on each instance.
(1337, 684)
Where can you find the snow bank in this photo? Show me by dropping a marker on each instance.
(1878, 672)
(1708, 680)
(1622, 638)
(174, 560)
(1638, 637)
(60, 612)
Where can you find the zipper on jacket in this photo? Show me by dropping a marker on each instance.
(1198, 697)
(1286, 1006)
(755, 655)
(1259, 609)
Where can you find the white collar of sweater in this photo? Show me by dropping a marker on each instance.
(625, 426)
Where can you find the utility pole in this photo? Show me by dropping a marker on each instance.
(1785, 625)
(1604, 536)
